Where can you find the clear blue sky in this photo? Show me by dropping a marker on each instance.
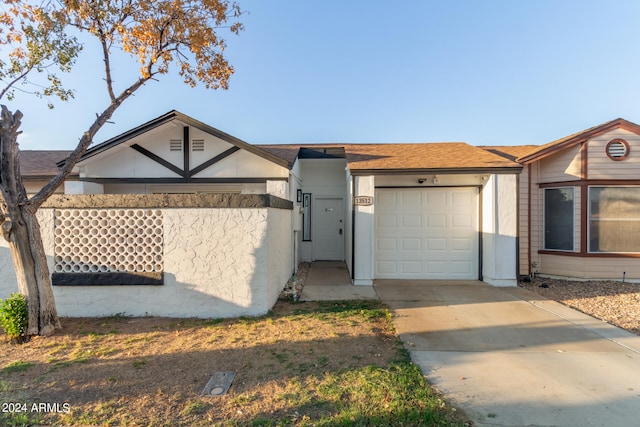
(491, 72)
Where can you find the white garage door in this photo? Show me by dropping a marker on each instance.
(426, 233)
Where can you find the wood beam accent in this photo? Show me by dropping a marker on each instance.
(186, 146)
(159, 160)
(212, 161)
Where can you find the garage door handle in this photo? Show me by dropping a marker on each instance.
(340, 232)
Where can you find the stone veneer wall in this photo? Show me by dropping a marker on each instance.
(223, 255)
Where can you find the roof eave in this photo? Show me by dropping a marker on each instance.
(447, 171)
(191, 122)
(579, 138)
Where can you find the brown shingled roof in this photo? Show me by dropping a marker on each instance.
(41, 163)
(449, 156)
(511, 152)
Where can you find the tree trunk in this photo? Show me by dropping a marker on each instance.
(32, 272)
(21, 229)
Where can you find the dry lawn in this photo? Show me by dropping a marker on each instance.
(290, 370)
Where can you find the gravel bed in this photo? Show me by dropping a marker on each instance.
(614, 302)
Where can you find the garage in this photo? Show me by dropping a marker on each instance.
(426, 233)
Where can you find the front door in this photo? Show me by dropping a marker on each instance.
(328, 229)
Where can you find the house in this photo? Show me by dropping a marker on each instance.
(388, 210)
(217, 225)
(580, 205)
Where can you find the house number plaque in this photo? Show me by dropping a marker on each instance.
(363, 200)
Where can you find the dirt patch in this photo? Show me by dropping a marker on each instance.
(151, 371)
(614, 302)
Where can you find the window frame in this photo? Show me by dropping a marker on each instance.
(573, 219)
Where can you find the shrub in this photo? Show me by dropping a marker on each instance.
(14, 316)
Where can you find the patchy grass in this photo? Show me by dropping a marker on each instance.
(16, 366)
(303, 364)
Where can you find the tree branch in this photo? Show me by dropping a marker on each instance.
(87, 138)
(107, 66)
(9, 85)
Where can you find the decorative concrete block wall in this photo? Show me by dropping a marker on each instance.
(216, 255)
(108, 240)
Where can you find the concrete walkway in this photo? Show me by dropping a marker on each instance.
(330, 281)
(507, 357)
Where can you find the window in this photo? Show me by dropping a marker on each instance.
(614, 219)
(306, 217)
(559, 219)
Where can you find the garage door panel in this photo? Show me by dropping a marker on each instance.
(462, 198)
(435, 199)
(463, 244)
(411, 267)
(436, 267)
(411, 245)
(411, 221)
(386, 221)
(386, 244)
(386, 199)
(426, 233)
(462, 267)
(436, 221)
(387, 268)
(462, 221)
(409, 201)
(436, 245)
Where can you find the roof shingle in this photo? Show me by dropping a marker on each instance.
(41, 163)
(396, 157)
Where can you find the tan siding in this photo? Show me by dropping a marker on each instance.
(602, 167)
(591, 267)
(564, 166)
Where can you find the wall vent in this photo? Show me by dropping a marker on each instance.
(197, 145)
(175, 145)
(618, 149)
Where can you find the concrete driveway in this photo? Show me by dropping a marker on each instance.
(510, 358)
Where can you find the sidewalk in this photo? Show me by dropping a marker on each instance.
(330, 281)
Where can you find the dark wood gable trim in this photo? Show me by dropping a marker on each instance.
(186, 173)
(186, 146)
(158, 159)
(190, 122)
(213, 161)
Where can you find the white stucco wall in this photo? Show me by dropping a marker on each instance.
(280, 256)
(364, 233)
(499, 230)
(82, 187)
(217, 263)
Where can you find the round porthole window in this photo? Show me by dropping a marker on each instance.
(618, 149)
